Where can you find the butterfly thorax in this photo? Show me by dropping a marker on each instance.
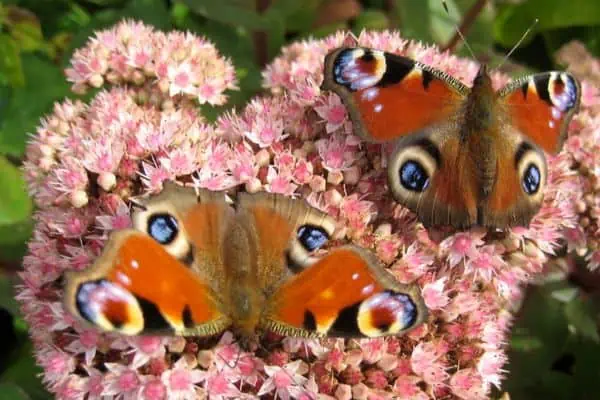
(479, 130)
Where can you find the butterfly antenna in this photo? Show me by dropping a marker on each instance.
(518, 43)
(458, 32)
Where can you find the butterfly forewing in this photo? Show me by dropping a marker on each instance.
(540, 106)
(390, 96)
(137, 287)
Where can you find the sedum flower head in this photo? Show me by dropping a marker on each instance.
(87, 160)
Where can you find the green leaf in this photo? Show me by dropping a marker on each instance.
(11, 70)
(514, 19)
(443, 26)
(28, 35)
(565, 295)
(547, 359)
(479, 35)
(15, 205)
(7, 296)
(326, 30)
(559, 13)
(10, 391)
(179, 14)
(511, 23)
(537, 338)
(580, 315)
(229, 12)
(414, 19)
(298, 16)
(23, 371)
(153, 12)
(45, 84)
(371, 20)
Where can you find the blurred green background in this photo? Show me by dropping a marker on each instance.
(555, 349)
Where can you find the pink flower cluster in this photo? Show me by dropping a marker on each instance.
(584, 148)
(134, 53)
(87, 160)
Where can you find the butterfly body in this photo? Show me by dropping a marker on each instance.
(195, 264)
(463, 156)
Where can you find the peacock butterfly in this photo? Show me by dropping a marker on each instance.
(463, 156)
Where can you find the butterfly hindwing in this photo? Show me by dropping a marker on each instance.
(389, 96)
(287, 231)
(346, 293)
(433, 174)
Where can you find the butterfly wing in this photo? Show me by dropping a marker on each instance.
(389, 96)
(286, 231)
(346, 293)
(151, 279)
(541, 106)
(535, 112)
(433, 174)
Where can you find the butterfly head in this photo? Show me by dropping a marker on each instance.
(483, 76)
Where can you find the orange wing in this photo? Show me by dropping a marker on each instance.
(159, 277)
(345, 294)
(390, 96)
(542, 105)
(137, 287)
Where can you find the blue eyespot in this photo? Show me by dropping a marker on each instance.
(413, 176)
(312, 237)
(531, 179)
(163, 228)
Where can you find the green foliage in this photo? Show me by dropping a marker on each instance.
(18, 370)
(15, 205)
(555, 351)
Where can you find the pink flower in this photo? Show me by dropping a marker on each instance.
(146, 348)
(283, 380)
(434, 295)
(468, 384)
(122, 381)
(181, 380)
(426, 361)
(459, 246)
(94, 384)
(132, 52)
(86, 342)
(336, 152)
(333, 112)
(219, 387)
(154, 390)
(490, 366)
(407, 388)
(57, 365)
